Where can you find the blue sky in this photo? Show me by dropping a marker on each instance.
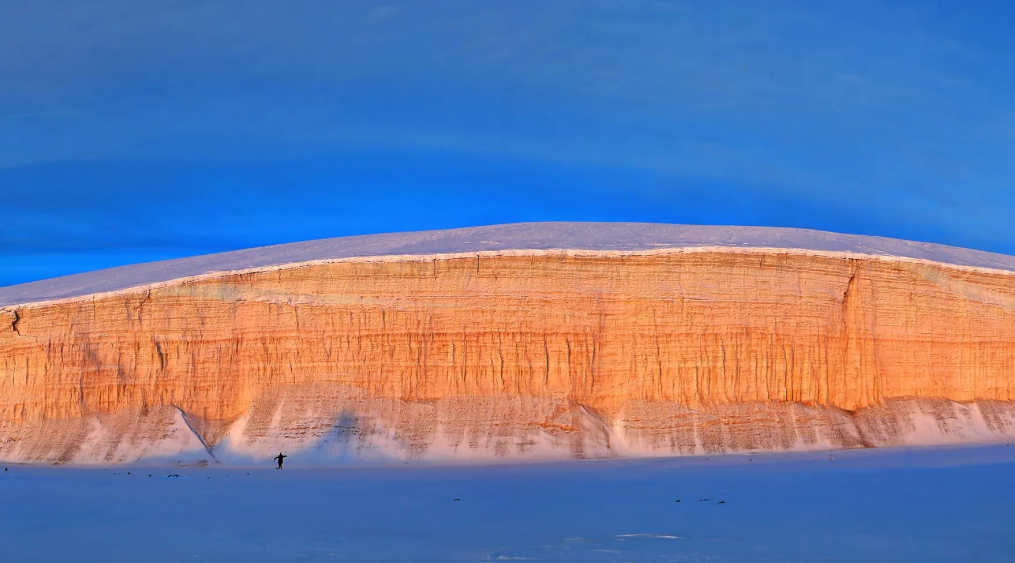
(132, 131)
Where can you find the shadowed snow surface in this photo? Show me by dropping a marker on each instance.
(519, 236)
(932, 505)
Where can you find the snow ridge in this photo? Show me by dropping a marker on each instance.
(605, 237)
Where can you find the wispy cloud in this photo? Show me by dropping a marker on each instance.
(55, 113)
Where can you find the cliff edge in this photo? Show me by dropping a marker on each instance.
(534, 340)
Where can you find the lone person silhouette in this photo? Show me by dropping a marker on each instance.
(279, 459)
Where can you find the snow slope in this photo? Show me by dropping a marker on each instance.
(607, 237)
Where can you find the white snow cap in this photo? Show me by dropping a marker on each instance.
(517, 236)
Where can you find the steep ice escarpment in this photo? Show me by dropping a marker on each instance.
(516, 341)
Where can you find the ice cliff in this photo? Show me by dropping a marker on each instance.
(514, 341)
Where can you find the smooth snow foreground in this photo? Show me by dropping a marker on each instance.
(944, 505)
